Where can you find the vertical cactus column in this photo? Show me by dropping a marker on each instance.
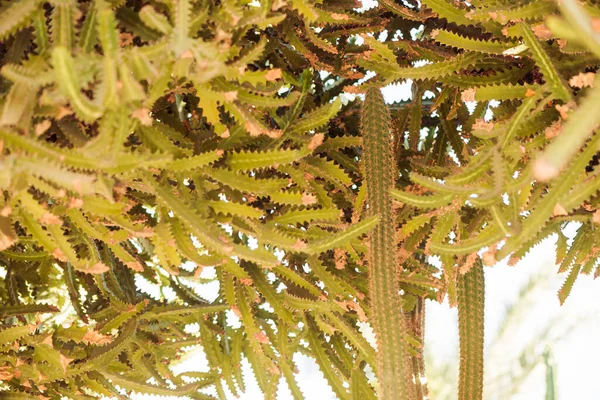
(393, 360)
(471, 299)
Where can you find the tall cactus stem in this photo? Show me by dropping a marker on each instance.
(394, 366)
(471, 300)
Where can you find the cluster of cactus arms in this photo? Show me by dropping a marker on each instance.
(145, 142)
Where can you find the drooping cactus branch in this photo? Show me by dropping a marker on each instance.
(471, 300)
(394, 369)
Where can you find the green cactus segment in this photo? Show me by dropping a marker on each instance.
(471, 300)
(393, 363)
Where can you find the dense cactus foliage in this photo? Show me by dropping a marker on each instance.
(143, 141)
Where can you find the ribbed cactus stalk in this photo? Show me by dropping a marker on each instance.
(416, 323)
(393, 360)
(471, 298)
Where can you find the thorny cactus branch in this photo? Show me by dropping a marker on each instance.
(394, 369)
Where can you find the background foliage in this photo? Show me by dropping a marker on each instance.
(143, 140)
